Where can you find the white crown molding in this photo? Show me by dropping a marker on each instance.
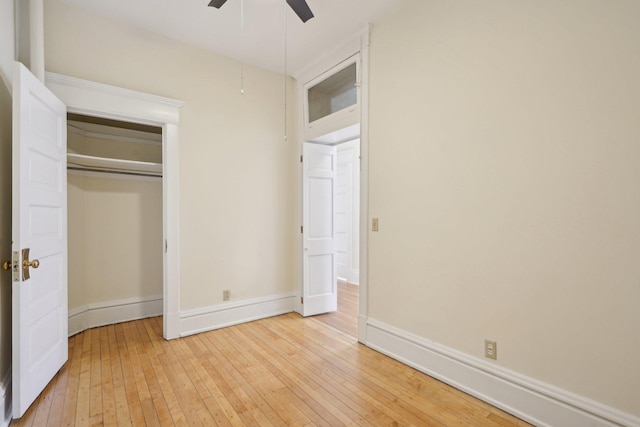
(60, 79)
(330, 59)
(114, 102)
(534, 401)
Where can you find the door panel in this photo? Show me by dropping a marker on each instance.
(319, 229)
(39, 218)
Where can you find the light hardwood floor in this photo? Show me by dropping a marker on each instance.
(346, 318)
(285, 370)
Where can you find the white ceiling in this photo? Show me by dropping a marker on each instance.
(219, 30)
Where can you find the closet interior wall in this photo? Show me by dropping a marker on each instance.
(114, 227)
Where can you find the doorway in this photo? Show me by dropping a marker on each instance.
(109, 102)
(342, 116)
(347, 203)
(115, 204)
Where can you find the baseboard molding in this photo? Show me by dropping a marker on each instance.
(531, 400)
(5, 399)
(229, 314)
(350, 276)
(110, 312)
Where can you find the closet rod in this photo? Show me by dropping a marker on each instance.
(75, 168)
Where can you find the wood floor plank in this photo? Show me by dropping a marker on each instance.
(96, 382)
(107, 394)
(242, 400)
(383, 392)
(345, 319)
(84, 382)
(173, 405)
(281, 371)
(328, 385)
(331, 410)
(159, 405)
(57, 403)
(380, 397)
(245, 381)
(269, 386)
(190, 400)
(123, 416)
(129, 379)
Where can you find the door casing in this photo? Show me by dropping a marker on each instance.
(358, 44)
(100, 100)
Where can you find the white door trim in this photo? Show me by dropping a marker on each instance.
(358, 44)
(100, 100)
(363, 306)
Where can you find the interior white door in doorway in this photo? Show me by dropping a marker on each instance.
(39, 232)
(320, 291)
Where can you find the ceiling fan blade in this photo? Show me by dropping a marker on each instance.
(217, 3)
(301, 8)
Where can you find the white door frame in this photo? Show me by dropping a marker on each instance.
(359, 44)
(100, 100)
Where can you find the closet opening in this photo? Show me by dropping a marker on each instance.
(115, 221)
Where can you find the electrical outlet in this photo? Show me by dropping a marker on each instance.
(374, 224)
(226, 295)
(491, 349)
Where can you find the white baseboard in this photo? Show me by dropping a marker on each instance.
(110, 312)
(531, 400)
(5, 399)
(350, 276)
(228, 314)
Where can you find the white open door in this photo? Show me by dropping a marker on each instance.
(40, 225)
(320, 288)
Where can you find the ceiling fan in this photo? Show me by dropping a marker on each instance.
(300, 7)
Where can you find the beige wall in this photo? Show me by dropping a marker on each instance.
(6, 64)
(115, 226)
(504, 168)
(237, 175)
(115, 238)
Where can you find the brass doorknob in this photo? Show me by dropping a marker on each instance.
(35, 263)
(6, 265)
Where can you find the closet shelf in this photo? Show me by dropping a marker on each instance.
(82, 161)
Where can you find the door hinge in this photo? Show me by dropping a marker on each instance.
(301, 229)
(301, 300)
(166, 246)
(301, 158)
